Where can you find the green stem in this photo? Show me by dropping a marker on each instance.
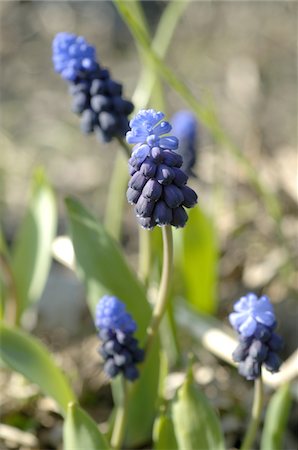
(125, 146)
(144, 255)
(161, 303)
(255, 416)
(120, 420)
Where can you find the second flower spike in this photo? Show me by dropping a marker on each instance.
(95, 95)
(158, 185)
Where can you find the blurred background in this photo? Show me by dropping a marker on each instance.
(242, 56)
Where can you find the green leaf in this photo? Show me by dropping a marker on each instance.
(80, 432)
(32, 251)
(197, 427)
(25, 354)
(199, 262)
(104, 270)
(276, 419)
(102, 266)
(164, 434)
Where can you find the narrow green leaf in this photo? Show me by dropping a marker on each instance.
(25, 354)
(197, 427)
(80, 432)
(164, 434)
(104, 270)
(103, 267)
(276, 419)
(32, 251)
(199, 261)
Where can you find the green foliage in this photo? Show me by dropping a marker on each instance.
(276, 419)
(32, 251)
(199, 261)
(104, 270)
(25, 354)
(163, 433)
(197, 427)
(81, 432)
(102, 266)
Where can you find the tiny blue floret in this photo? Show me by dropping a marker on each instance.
(249, 311)
(72, 54)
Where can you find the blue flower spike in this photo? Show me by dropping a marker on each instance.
(254, 320)
(96, 97)
(157, 186)
(186, 128)
(119, 348)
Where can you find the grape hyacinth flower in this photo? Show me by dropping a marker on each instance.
(254, 320)
(158, 184)
(96, 97)
(119, 349)
(185, 127)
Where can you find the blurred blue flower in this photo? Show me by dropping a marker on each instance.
(157, 186)
(119, 349)
(249, 311)
(72, 54)
(96, 97)
(111, 314)
(254, 320)
(185, 127)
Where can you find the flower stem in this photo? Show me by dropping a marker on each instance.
(161, 303)
(144, 255)
(125, 146)
(120, 419)
(255, 416)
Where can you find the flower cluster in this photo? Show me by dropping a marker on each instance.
(95, 95)
(158, 185)
(254, 320)
(185, 127)
(119, 349)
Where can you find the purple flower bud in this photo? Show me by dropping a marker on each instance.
(148, 168)
(241, 352)
(146, 222)
(111, 368)
(258, 351)
(157, 154)
(250, 369)
(162, 214)
(275, 343)
(190, 197)
(152, 190)
(132, 195)
(172, 159)
(144, 207)
(173, 196)
(272, 362)
(101, 103)
(131, 372)
(164, 174)
(179, 217)
(137, 181)
(180, 178)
